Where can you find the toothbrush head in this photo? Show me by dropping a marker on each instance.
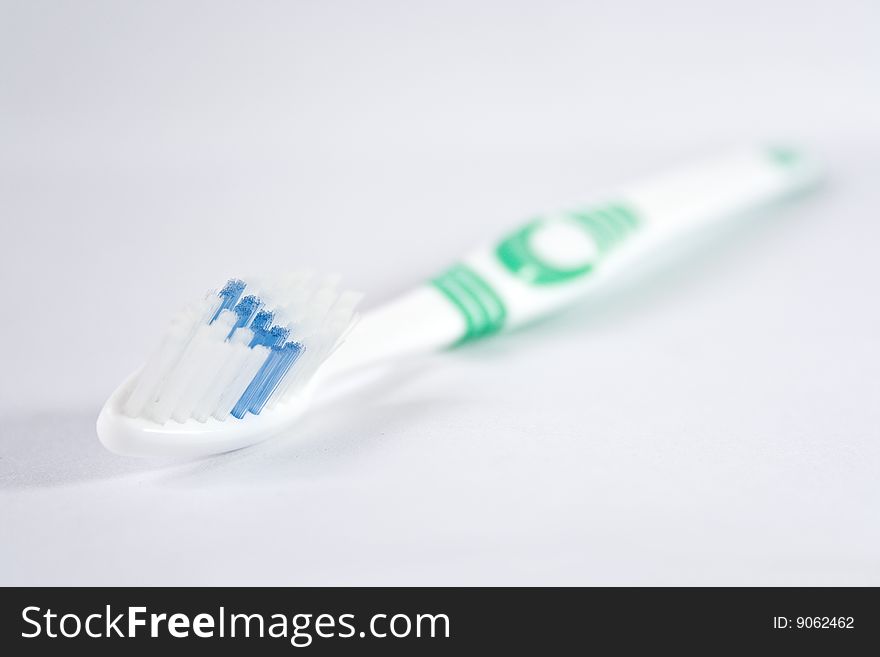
(231, 369)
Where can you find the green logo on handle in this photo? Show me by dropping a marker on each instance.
(554, 250)
(546, 251)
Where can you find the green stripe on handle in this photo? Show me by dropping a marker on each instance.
(480, 306)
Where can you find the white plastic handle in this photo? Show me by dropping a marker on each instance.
(556, 258)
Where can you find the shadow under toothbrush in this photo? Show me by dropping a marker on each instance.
(344, 425)
(51, 448)
(41, 449)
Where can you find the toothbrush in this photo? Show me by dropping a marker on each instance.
(240, 366)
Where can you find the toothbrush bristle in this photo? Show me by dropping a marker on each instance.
(243, 349)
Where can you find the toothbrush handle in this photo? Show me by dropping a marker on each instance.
(556, 258)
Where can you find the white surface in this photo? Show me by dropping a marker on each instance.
(716, 422)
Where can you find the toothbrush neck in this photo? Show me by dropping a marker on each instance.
(420, 321)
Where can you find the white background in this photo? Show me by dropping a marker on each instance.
(716, 422)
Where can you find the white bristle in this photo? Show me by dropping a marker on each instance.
(338, 320)
(251, 365)
(163, 361)
(206, 365)
(210, 356)
(233, 359)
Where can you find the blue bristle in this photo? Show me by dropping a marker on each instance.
(262, 320)
(272, 337)
(278, 363)
(244, 403)
(261, 339)
(284, 359)
(245, 309)
(260, 327)
(279, 335)
(230, 294)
